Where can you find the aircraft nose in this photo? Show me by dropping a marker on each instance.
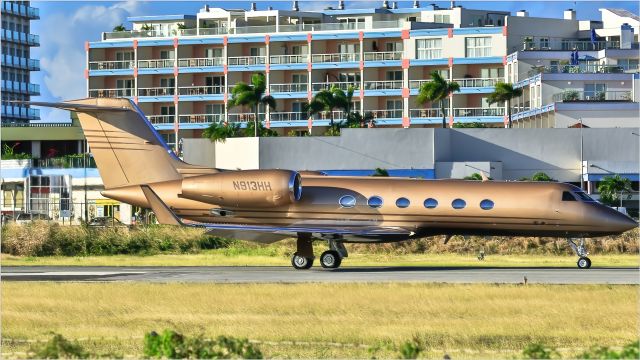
(617, 221)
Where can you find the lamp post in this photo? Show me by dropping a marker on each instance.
(581, 157)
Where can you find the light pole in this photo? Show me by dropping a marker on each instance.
(581, 157)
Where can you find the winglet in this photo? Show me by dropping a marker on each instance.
(162, 211)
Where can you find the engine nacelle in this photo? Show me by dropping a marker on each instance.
(245, 188)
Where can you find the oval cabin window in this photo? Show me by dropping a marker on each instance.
(347, 201)
(431, 203)
(458, 204)
(402, 202)
(486, 204)
(375, 202)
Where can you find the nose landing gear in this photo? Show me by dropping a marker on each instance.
(580, 249)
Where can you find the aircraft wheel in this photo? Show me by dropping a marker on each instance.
(584, 263)
(301, 262)
(330, 259)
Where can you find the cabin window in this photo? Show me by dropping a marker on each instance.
(347, 201)
(375, 202)
(486, 204)
(402, 202)
(458, 204)
(584, 197)
(567, 196)
(431, 203)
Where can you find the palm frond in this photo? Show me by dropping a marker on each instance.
(259, 82)
(270, 101)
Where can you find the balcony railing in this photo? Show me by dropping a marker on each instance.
(201, 90)
(161, 119)
(427, 113)
(478, 112)
(200, 62)
(326, 115)
(21, 87)
(21, 112)
(386, 114)
(245, 117)
(200, 118)
(477, 82)
(65, 162)
(383, 55)
(323, 58)
(157, 91)
(213, 31)
(155, 63)
(286, 88)
(576, 69)
(20, 37)
(383, 85)
(532, 43)
(288, 116)
(589, 96)
(20, 10)
(110, 93)
(288, 59)
(340, 85)
(20, 62)
(247, 60)
(111, 65)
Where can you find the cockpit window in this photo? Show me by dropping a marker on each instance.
(583, 196)
(568, 196)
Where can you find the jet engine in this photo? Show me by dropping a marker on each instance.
(245, 188)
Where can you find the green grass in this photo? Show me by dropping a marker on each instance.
(465, 321)
(223, 258)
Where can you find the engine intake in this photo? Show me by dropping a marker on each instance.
(245, 188)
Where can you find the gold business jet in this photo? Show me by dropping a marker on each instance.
(265, 206)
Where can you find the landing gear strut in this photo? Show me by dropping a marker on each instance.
(579, 249)
(303, 258)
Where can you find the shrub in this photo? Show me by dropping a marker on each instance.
(173, 345)
(58, 347)
(411, 349)
(539, 351)
(630, 351)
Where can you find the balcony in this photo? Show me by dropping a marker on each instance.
(157, 91)
(76, 161)
(161, 119)
(579, 69)
(20, 62)
(340, 85)
(111, 65)
(20, 10)
(464, 82)
(457, 112)
(155, 63)
(19, 112)
(592, 96)
(340, 58)
(111, 93)
(20, 87)
(383, 85)
(246, 60)
(386, 114)
(288, 88)
(383, 56)
(200, 62)
(427, 113)
(201, 90)
(20, 37)
(200, 118)
(245, 117)
(288, 59)
(288, 116)
(537, 43)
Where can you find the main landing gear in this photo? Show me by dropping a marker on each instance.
(579, 249)
(303, 258)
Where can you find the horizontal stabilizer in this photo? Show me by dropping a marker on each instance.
(162, 211)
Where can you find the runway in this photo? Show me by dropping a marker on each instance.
(282, 274)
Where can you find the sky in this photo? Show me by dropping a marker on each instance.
(64, 26)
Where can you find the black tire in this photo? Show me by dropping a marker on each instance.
(330, 259)
(301, 262)
(584, 263)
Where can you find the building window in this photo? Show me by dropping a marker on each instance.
(486, 204)
(255, 51)
(458, 204)
(299, 78)
(393, 46)
(628, 64)
(347, 201)
(375, 202)
(214, 109)
(478, 47)
(429, 48)
(349, 77)
(595, 91)
(402, 202)
(443, 19)
(492, 73)
(395, 75)
(430, 203)
(394, 108)
(124, 56)
(167, 110)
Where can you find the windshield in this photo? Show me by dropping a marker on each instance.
(583, 196)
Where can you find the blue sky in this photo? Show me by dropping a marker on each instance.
(66, 25)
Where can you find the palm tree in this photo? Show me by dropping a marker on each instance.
(252, 95)
(119, 28)
(504, 92)
(328, 100)
(380, 172)
(474, 176)
(262, 131)
(221, 132)
(611, 189)
(438, 89)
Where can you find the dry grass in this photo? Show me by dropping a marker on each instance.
(497, 321)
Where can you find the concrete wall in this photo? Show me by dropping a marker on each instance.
(513, 153)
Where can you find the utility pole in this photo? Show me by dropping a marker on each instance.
(581, 157)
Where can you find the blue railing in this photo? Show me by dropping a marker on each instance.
(21, 87)
(20, 37)
(20, 112)
(21, 10)
(20, 62)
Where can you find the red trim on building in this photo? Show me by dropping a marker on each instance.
(309, 67)
(361, 94)
(86, 46)
(267, 38)
(450, 121)
(361, 65)
(224, 97)
(135, 99)
(225, 69)
(406, 122)
(450, 33)
(86, 73)
(504, 60)
(309, 124)
(360, 35)
(176, 127)
(405, 34)
(405, 63)
(406, 92)
(506, 120)
(309, 37)
(267, 124)
(135, 44)
(135, 72)
(450, 62)
(309, 95)
(175, 71)
(267, 68)
(175, 99)
(225, 40)
(175, 42)
(504, 30)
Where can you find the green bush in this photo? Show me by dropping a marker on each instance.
(539, 351)
(411, 349)
(630, 351)
(58, 348)
(172, 345)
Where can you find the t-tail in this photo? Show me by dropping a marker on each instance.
(126, 147)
